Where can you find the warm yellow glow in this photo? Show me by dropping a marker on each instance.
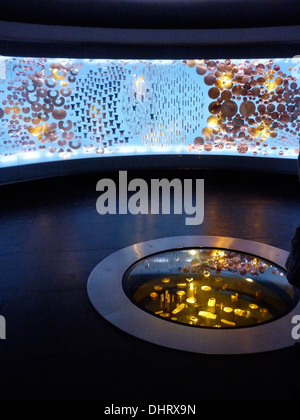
(265, 135)
(193, 319)
(207, 132)
(207, 315)
(240, 312)
(270, 86)
(219, 84)
(253, 132)
(213, 122)
(179, 309)
(227, 309)
(193, 252)
(35, 131)
(212, 302)
(191, 300)
(264, 311)
(228, 84)
(225, 321)
(234, 297)
(139, 81)
(238, 300)
(57, 76)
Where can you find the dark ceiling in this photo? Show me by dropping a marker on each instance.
(176, 14)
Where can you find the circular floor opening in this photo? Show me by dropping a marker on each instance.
(210, 288)
(201, 294)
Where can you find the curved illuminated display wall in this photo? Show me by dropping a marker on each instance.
(60, 109)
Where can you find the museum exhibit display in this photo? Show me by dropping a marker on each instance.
(199, 294)
(212, 288)
(60, 109)
(149, 156)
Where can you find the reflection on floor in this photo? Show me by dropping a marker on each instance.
(58, 347)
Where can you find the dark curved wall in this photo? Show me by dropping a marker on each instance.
(186, 14)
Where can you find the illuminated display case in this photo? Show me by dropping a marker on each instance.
(210, 288)
(204, 294)
(62, 109)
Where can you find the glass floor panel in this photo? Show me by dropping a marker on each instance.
(210, 288)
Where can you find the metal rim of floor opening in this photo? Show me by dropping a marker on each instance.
(106, 293)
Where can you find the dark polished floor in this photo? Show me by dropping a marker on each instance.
(58, 347)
